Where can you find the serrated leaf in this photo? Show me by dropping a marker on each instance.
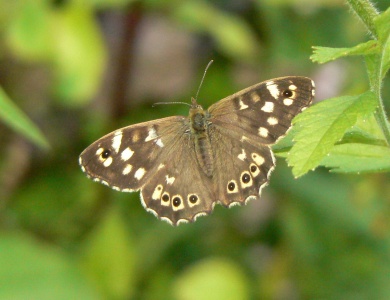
(358, 158)
(325, 54)
(322, 125)
(18, 121)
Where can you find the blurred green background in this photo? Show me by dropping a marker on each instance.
(80, 69)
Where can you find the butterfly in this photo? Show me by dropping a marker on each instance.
(183, 166)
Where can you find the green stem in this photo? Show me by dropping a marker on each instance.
(366, 11)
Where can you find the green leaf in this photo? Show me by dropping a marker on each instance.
(29, 32)
(322, 125)
(17, 120)
(326, 54)
(358, 158)
(33, 270)
(232, 35)
(109, 257)
(80, 55)
(214, 279)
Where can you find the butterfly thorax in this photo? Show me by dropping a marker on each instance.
(200, 136)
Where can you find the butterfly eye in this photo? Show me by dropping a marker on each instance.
(287, 93)
(106, 154)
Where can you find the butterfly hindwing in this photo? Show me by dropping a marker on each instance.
(185, 165)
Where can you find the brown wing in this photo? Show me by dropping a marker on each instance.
(129, 157)
(264, 112)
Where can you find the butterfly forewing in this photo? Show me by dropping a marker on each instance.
(264, 112)
(185, 165)
(126, 158)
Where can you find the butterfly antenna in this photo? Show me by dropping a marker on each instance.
(162, 103)
(204, 75)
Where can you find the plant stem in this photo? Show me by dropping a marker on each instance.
(366, 11)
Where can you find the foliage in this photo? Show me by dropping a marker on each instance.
(74, 67)
(326, 123)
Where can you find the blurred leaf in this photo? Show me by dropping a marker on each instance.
(106, 4)
(322, 125)
(358, 158)
(232, 35)
(32, 270)
(17, 120)
(382, 24)
(325, 54)
(109, 257)
(80, 55)
(28, 33)
(212, 279)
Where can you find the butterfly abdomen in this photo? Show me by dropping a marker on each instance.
(203, 150)
(204, 154)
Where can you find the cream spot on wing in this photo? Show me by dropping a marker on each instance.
(159, 143)
(255, 97)
(288, 101)
(268, 107)
(258, 159)
(177, 203)
(127, 154)
(243, 105)
(127, 169)
(139, 173)
(246, 180)
(263, 132)
(160, 166)
(242, 155)
(107, 162)
(135, 136)
(254, 170)
(169, 180)
(272, 121)
(99, 151)
(232, 187)
(292, 87)
(157, 192)
(117, 140)
(273, 89)
(152, 134)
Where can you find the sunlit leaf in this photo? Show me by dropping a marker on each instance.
(326, 54)
(322, 125)
(358, 158)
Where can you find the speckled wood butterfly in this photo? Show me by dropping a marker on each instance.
(185, 165)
